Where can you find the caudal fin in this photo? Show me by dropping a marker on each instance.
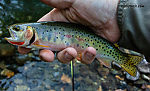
(130, 64)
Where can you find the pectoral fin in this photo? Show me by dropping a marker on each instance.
(42, 46)
(105, 61)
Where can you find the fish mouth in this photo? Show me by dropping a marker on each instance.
(15, 41)
(13, 37)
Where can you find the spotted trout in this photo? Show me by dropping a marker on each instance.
(57, 36)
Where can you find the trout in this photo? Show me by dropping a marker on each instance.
(57, 36)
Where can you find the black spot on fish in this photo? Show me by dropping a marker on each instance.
(96, 49)
(54, 28)
(56, 37)
(117, 56)
(50, 29)
(86, 44)
(99, 45)
(77, 45)
(93, 44)
(47, 30)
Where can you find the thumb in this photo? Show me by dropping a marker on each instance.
(60, 4)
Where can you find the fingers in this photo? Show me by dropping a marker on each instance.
(88, 55)
(61, 4)
(54, 15)
(23, 50)
(46, 55)
(67, 55)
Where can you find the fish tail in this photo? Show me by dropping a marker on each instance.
(130, 63)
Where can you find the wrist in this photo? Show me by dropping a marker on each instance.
(113, 28)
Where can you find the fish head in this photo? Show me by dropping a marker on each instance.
(20, 35)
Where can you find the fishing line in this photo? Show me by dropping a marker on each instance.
(72, 74)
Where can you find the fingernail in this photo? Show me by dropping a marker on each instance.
(89, 56)
(68, 57)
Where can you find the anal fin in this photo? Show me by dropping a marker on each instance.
(105, 61)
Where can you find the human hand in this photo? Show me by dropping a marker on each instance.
(99, 15)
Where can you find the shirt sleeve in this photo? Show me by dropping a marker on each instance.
(134, 23)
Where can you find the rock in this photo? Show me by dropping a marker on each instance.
(114, 72)
(146, 77)
(7, 73)
(120, 90)
(1, 33)
(52, 90)
(88, 80)
(99, 88)
(145, 68)
(56, 74)
(2, 65)
(21, 59)
(22, 88)
(103, 71)
(146, 87)
(7, 50)
(18, 81)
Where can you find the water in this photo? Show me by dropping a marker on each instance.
(30, 73)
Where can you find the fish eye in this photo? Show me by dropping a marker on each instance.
(16, 28)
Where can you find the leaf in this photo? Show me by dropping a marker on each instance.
(65, 79)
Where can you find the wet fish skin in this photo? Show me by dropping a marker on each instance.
(59, 35)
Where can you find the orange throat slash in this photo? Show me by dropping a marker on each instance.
(16, 43)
